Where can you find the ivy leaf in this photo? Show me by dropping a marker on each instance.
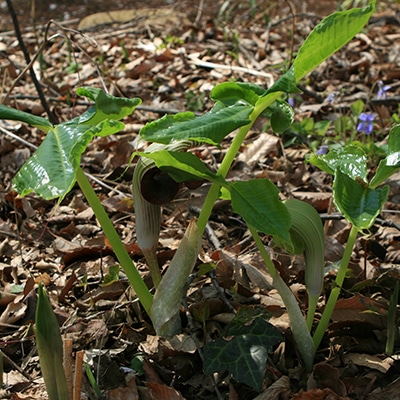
(359, 203)
(257, 201)
(210, 128)
(244, 354)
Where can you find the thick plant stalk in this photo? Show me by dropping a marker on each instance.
(334, 295)
(298, 325)
(50, 349)
(164, 311)
(301, 334)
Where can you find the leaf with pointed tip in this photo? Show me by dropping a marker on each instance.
(391, 163)
(51, 171)
(359, 203)
(282, 116)
(350, 159)
(210, 128)
(182, 166)
(332, 33)
(257, 201)
(106, 106)
(16, 115)
(230, 93)
(50, 350)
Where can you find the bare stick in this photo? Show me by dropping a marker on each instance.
(78, 375)
(39, 90)
(67, 361)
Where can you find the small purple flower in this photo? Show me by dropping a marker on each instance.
(331, 97)
(366, 123)
(322, 150)
(382, 90)
(291, 101)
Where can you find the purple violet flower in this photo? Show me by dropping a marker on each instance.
(382, 90)
(331, 97)
(366, 123)
(291, 101)
(322, 150)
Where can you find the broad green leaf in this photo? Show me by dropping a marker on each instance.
(230, 93)
(182, 166)
(50, 172)
(391, 163)
(50, 348)
(328, 36)
(106, 106)
(244, 353)
(358, 203)
(257, 201)
(286, 83)
(350, 159)
(282, 116)
(16, 115)
(210, 128)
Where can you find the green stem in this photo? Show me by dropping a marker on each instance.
(330, 305)
(312, 306)
(118, 247)
(301, 333)
(230, 155)
(264, 253)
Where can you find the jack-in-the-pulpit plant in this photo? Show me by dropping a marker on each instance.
(293, 225)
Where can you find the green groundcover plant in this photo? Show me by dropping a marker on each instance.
(294, 225)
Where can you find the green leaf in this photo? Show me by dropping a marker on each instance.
(282, 116)
(112, 276)
(230, 93)
(286, 83)
(210, 128)
(359, 203)
(16, 115)
(328, 36)
(245, 354)
(182, 166)
(51, 171)
(350, 159)
(391, 163)
(50, 348)
(257, 201)
(106, 106)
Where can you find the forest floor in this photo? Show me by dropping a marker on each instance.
(171, 57)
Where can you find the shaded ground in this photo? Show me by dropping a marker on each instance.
(161, 60)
